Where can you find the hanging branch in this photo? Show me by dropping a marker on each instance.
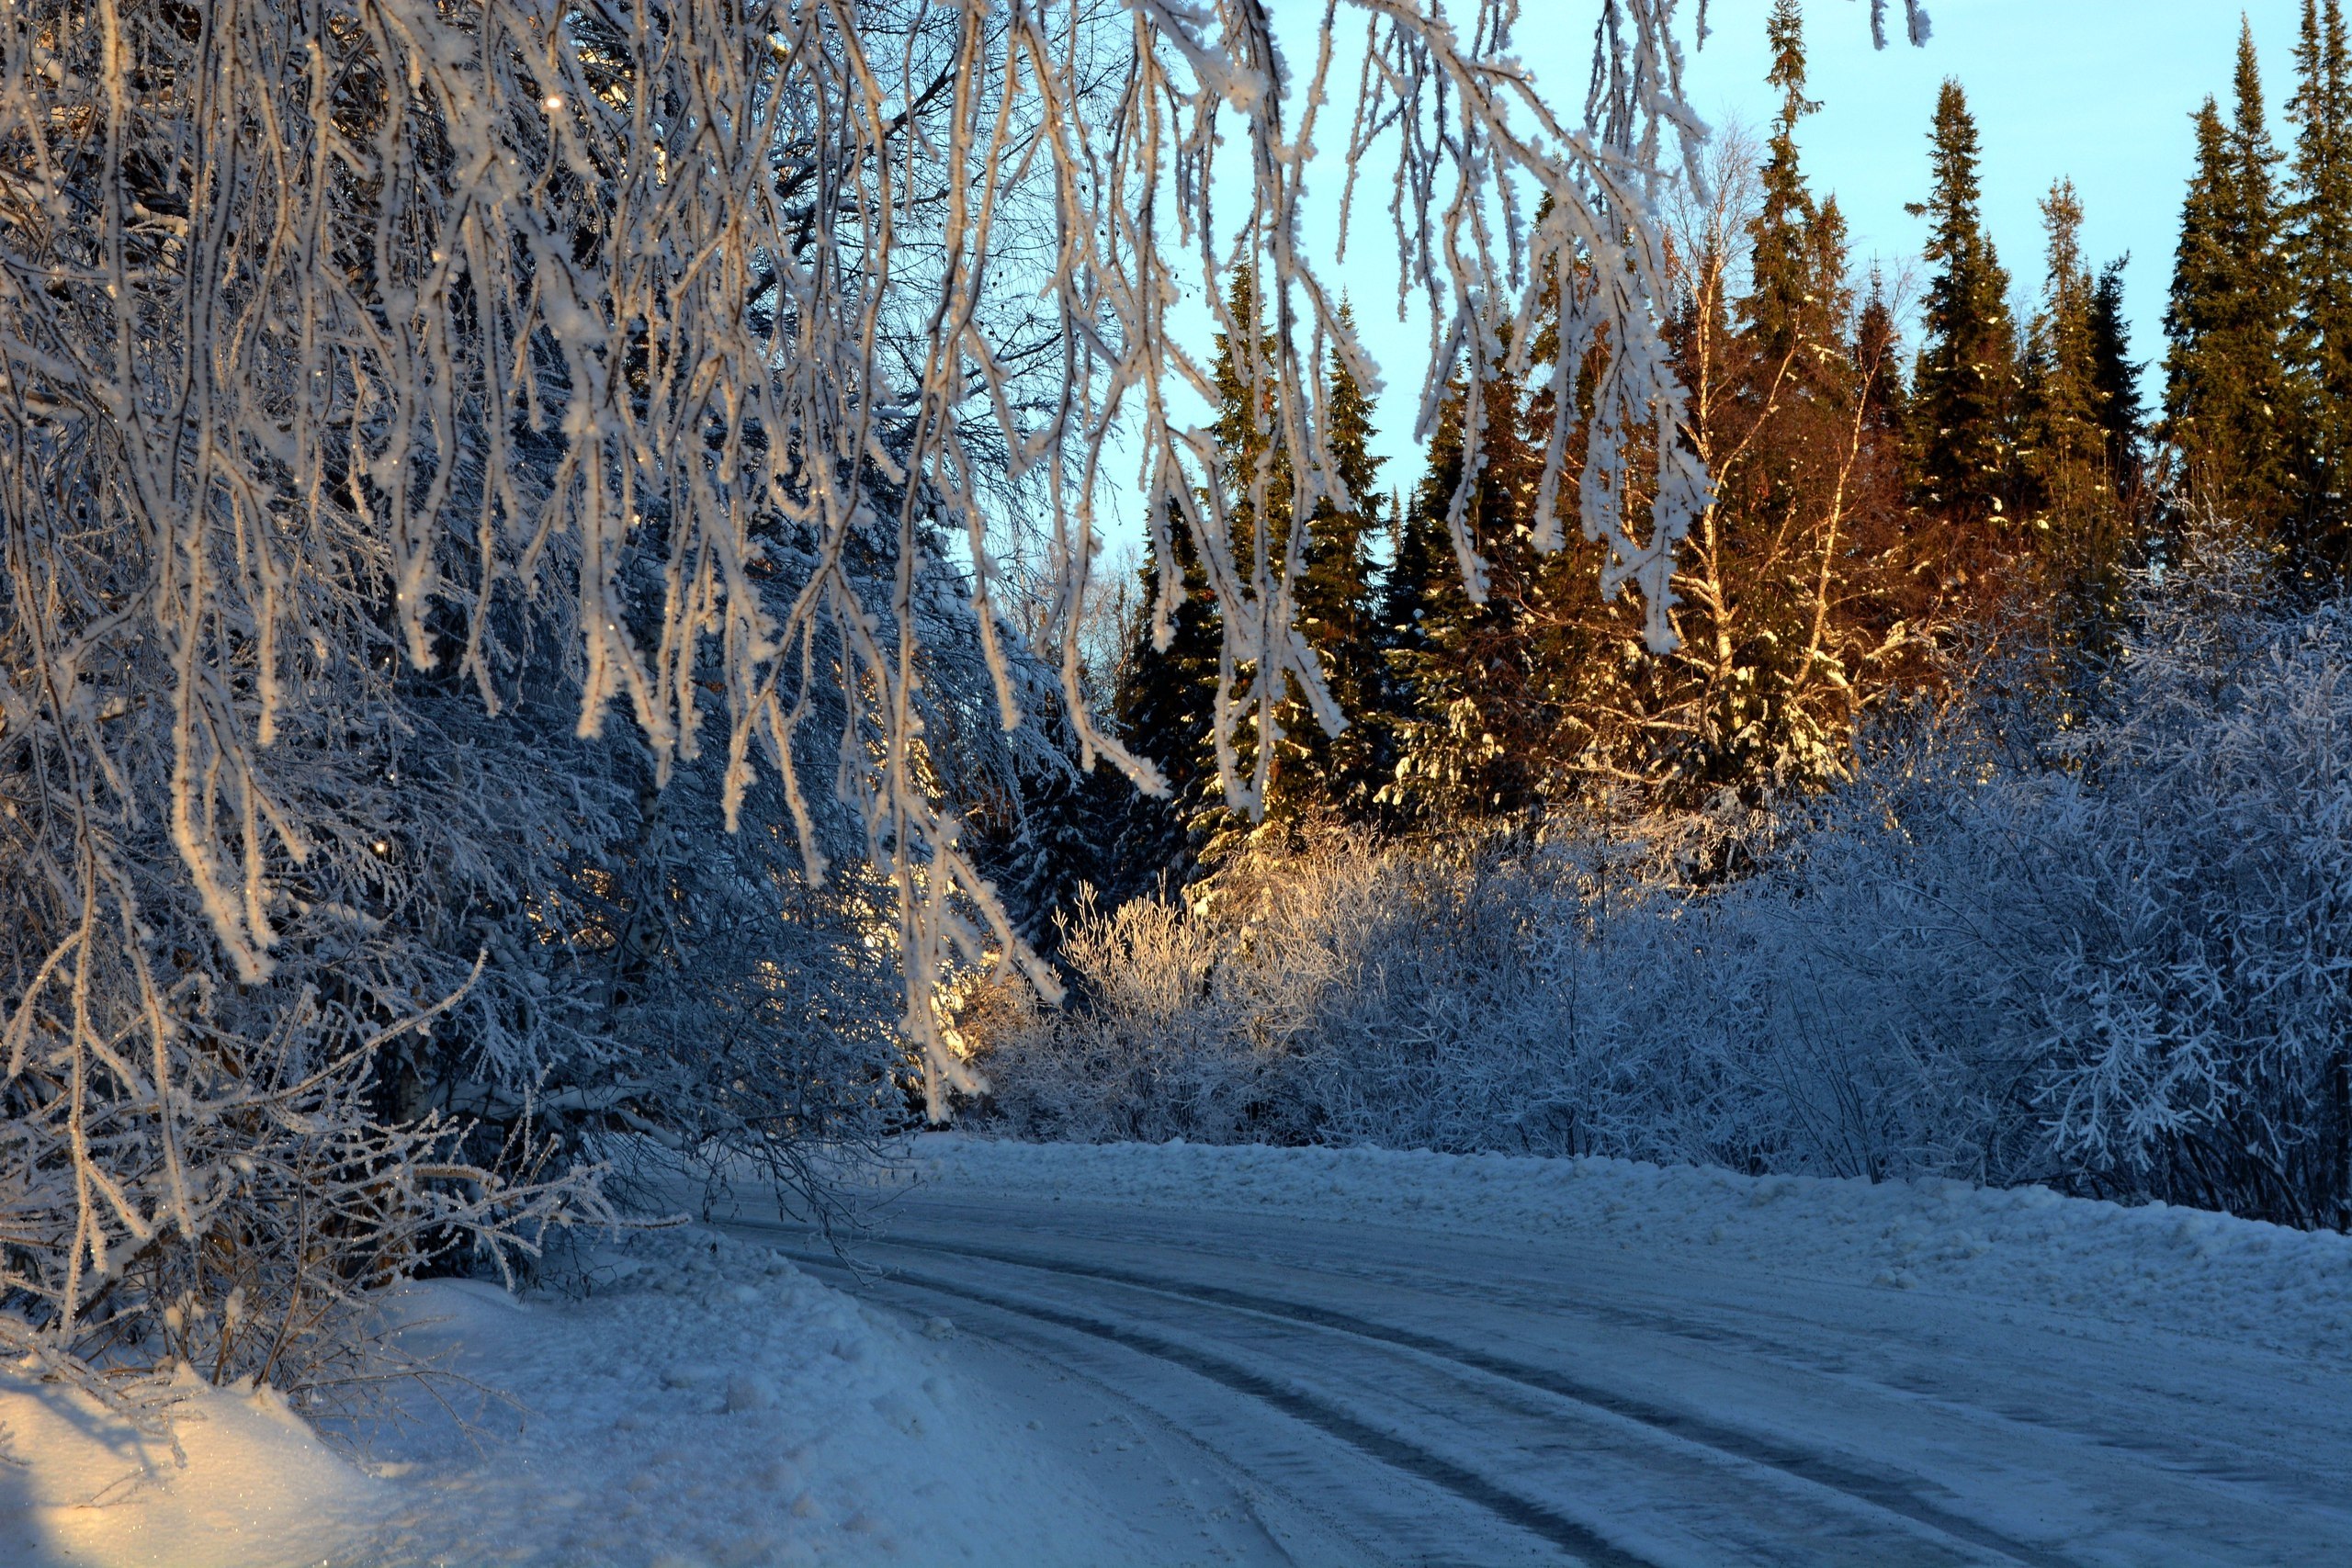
(689, 330)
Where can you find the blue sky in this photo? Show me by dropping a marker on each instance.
(2098, 90)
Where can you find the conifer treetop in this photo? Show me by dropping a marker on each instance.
(1966, 366)
(2228, 400)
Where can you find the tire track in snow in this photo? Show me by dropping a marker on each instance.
(1879, 1492)
(1522, 1512)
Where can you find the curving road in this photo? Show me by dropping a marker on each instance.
(1277, 1390)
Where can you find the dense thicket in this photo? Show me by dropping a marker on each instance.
(2112, 963)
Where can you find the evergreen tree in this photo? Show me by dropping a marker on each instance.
(1797, 597)
(2075, 509)
(1165, 703)
(2198, 390)
(1420, 562)
(1964, 388)
(2066, 456)
(1469, 737)
(1255, 467)
(1878, 367)
(1793, 241)
(1751, 668)
(1419, 555)
(2226, 395)
(1068, 833)
(1334, 581)
(2115, 378)
(1254, 473)
(1797, 586)
(2319, 265)
(1791, 589)
(1339, 612)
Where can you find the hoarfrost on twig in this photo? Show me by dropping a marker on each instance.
(340, 340)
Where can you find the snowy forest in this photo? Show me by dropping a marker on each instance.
(558, 633)
(1982, 815)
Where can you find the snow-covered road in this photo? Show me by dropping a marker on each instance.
(1404, 1387)
(1060, 1356)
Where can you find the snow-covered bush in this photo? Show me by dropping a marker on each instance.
(2121, 965)
(2160, 924)
(335, 935)
(1454, 998)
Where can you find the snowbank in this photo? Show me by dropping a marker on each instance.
(2194, 1271)
(707, 1406)
(711, 1406)
(258, 1489)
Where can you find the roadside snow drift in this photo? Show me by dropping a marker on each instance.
(707, 1406)
(258, 1487)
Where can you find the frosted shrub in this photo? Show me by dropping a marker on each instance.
(1315, 993)
(1495, 996)
(2129, 971)
(2192, 1032)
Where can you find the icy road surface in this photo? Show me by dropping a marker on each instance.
(1345, 1357)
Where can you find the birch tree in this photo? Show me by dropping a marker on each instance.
(692, 358)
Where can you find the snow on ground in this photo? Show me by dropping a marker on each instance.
(702, 1403)
(708, 1405)
(2193, 1271)
(1476, 1362)
(81, 1486)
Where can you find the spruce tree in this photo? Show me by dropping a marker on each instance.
(2075, 506)
(1470, 736)
(1798, 585)
(1878, 367)
(1333, 579)
(2198, 401)
(2066, 456)
(2319, 265)
(1254, 467)
(1787, 307)
(1339, 612)
(2260, 232)
(1419, 555)
(1964, 386)
(1254, 473)
(1068, 833)
(1165, 703)
(1751, 664)
(1420, 577)
(2226, 394)
(2115, 378)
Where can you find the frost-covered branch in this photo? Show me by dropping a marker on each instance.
(679, 357)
